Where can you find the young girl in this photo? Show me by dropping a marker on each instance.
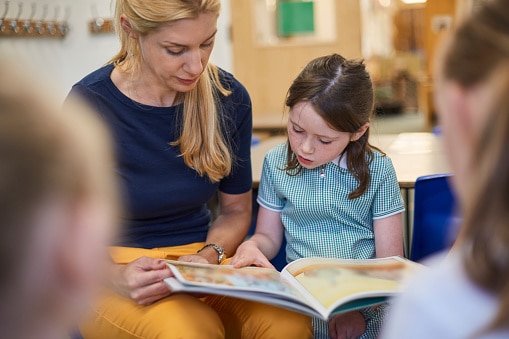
(467, 294)
(328, 189)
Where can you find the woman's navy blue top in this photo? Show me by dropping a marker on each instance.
(165, 200)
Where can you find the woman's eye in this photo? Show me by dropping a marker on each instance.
(175, 53)
(208, 44)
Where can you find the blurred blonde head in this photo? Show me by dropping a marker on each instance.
(201, 141)
(473, 102)
(58, 206)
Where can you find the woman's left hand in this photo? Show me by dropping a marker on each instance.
(348, 325)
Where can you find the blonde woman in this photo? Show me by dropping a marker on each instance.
(183, 133)
(467, 295)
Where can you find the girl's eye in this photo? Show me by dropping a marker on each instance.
(296, 130)
(325, 142)
(175, 53)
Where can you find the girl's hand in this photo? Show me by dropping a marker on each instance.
(348, 325)
(142, 280)
(248, 254)
(197, 258)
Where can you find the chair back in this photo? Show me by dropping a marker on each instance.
(434, 208)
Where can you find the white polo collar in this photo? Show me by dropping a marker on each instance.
(342, 163)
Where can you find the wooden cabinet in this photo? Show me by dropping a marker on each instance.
(267, 70)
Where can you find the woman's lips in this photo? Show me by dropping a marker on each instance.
(187, 81)
(304, 161)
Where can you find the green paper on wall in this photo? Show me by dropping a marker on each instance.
(295, 17)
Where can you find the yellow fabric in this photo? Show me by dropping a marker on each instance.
(185, 316)
(124, 255)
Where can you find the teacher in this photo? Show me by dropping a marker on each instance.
(183, 131)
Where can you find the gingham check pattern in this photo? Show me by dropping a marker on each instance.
(320, 220)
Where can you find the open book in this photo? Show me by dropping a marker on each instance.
(315, 286)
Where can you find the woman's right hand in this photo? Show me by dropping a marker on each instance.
(248, 254)
(142, 280)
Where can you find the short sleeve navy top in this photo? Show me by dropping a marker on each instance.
(164, 199)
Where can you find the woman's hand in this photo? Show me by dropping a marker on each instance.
(248, 254)
(142, 280)
(348, 325)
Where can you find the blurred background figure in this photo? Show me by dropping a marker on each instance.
(467, 295)
(58, 207)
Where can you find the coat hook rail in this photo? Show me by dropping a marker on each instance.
(98, 24)
(30, 25)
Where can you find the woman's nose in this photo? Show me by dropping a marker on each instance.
(193, 64)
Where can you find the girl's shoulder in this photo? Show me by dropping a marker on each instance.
(381, 167)
(277, 155)
(275, 160)
(380, 159)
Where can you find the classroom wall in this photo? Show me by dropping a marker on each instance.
(267, 69)
(67, 60)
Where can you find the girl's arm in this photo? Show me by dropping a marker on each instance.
(264, 244)
(229, 229)
(389, 236)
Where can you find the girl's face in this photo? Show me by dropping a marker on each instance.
(312, 140)
(175, 55)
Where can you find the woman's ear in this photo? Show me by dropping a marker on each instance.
(360, 132)
(126, 27)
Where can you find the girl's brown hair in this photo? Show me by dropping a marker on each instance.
(341, 92)
(202, 143)
(478, 54)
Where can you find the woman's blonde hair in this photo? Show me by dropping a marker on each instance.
(478, 54)
(202, 142)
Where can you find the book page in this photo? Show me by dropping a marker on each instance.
(334, 281)
(226, 277)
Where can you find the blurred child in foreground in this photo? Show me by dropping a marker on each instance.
(57, 208)
(467, 294)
